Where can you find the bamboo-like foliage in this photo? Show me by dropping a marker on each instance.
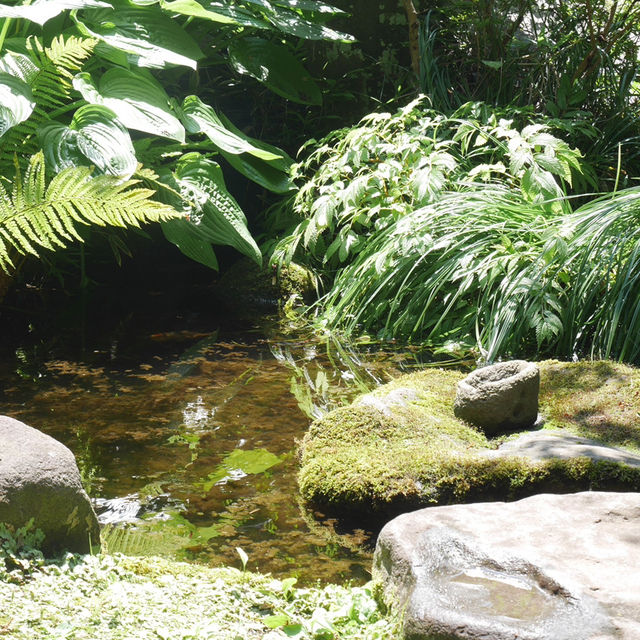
(36, 214)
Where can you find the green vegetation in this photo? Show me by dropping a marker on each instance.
(114, 92)
(113, 597)
(378, 460)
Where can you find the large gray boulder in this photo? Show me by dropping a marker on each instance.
(500, 397)
(39, 479)
(549, 567)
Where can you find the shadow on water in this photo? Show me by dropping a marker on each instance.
(184, 425)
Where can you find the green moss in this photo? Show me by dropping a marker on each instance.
(362, 461)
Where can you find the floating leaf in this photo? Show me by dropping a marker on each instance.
(248, 462)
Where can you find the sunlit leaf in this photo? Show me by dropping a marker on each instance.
(201, 118)
(215, 216)
(146, 35)
(95, 137)
(136, 98)
(16, 101)
(42, 11)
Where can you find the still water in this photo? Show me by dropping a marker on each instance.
(185, 427)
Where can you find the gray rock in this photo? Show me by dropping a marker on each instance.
(550, 567)
(500, 397)
(39, 479)
(549, 445)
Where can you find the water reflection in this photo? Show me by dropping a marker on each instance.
(187, 443)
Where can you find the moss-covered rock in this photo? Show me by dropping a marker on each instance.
(245, 284)
(401, 447)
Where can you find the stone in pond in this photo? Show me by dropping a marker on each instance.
(501, 397)
(549, 567)
(39, 479)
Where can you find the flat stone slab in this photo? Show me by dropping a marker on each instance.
(549, 567)
(548, 445)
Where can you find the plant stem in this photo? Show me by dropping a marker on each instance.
(5, 28)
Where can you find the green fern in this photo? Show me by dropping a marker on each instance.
(37, 215)
(49, 72)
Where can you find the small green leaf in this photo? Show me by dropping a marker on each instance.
(244, 558)
(276, 620)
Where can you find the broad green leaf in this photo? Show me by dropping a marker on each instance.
(266, 174)
(274, 66)
(95, 137)
(276, 620)
(309, 5)
(239, 14)
(293, 23)
(201, 118)
(19, 65)
(146, 35)
(195, 9)
(216, 215)
(274, 175)
(136, 98)
(16, 101)
(42, 11)
(189, 240)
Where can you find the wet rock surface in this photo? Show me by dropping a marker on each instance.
(550, 567)
(550, 445)
(501, 397)
(39, 479)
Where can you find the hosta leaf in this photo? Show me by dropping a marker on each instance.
(274, 66)
(309, 5)
(19, 65)
(136, 98)
(216, 216)
(189, 240)
(94, 137)
(16, 101)
(195, 9)
(42, 11)
(199, 117)
(274, 175)
(240, 15)
(295, 24)
(146, 35)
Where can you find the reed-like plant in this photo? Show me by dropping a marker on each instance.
(490, 272)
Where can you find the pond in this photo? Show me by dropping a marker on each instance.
(184, 425)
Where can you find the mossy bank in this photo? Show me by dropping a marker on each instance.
(401, 448)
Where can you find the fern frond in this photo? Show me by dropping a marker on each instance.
(36, 215)
(50, 84)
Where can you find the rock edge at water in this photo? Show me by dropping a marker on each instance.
(549, 567)
(39, 479)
